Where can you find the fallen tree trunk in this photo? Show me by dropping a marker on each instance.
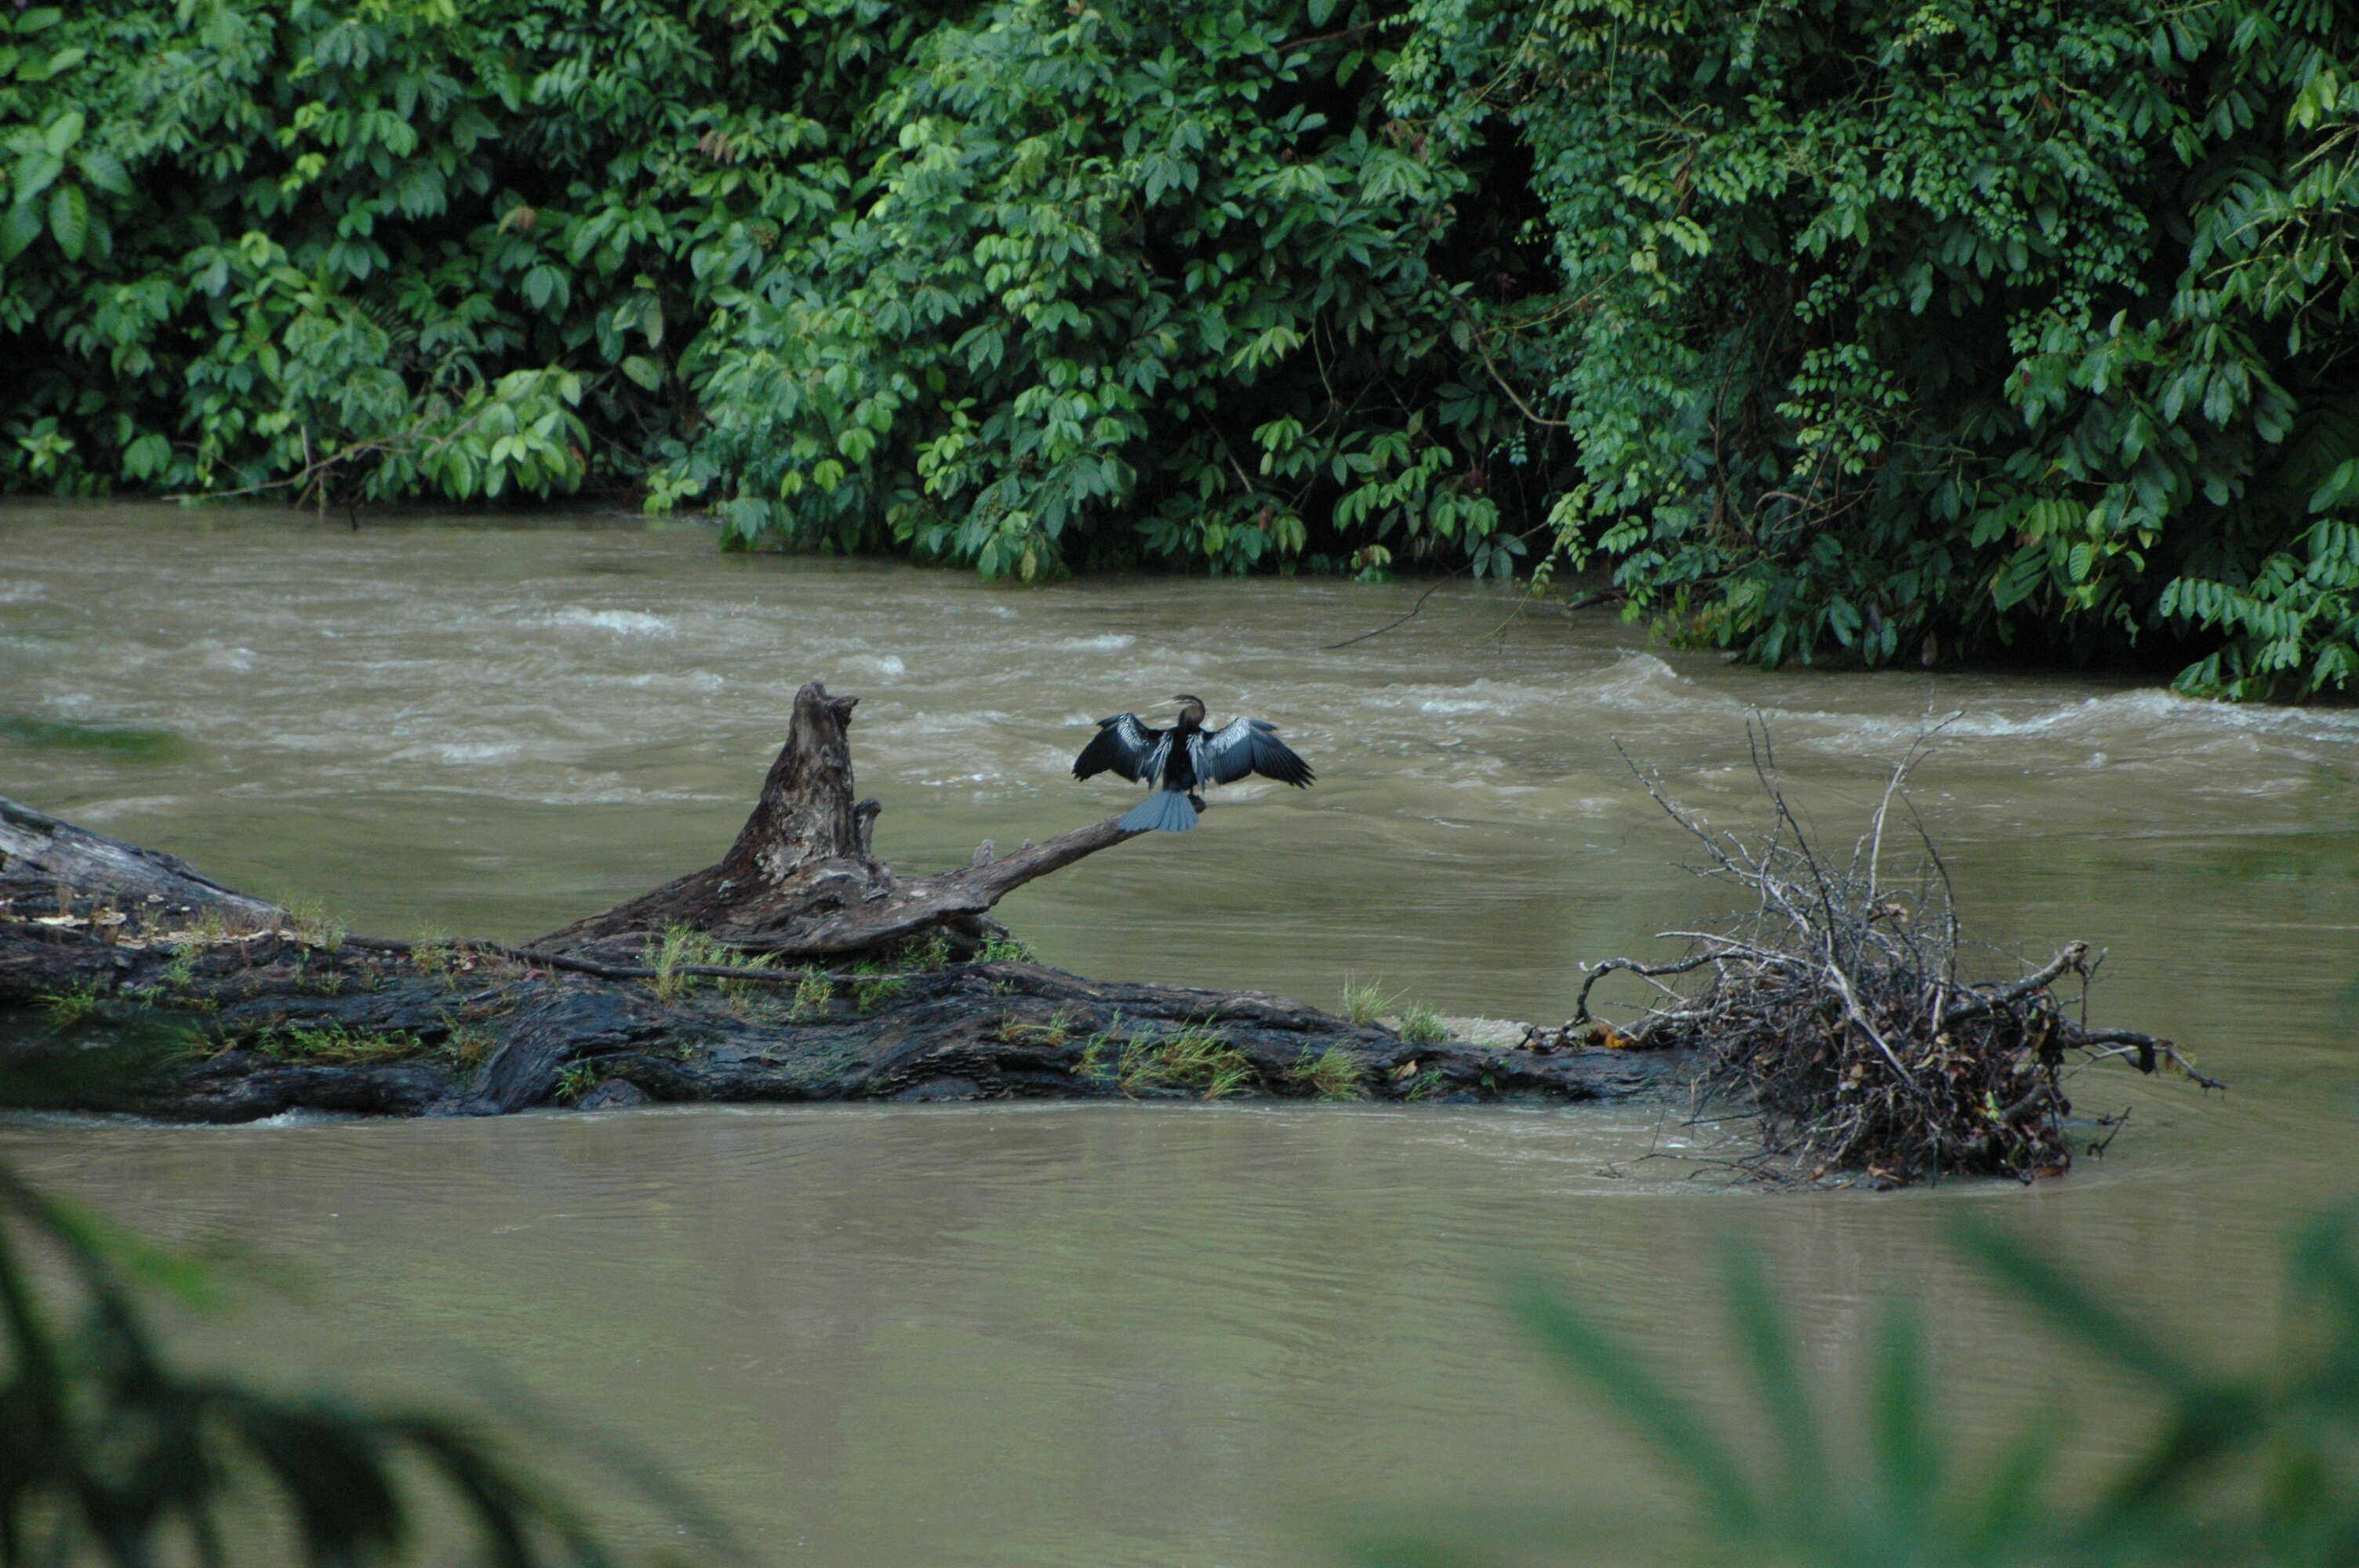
(797, 968)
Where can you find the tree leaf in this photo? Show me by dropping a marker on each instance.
(70, 219)
(36, 170)
(19, 229)
(103, 171)
(2340, 486)
(64, 133)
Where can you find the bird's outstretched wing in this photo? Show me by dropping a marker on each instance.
(1244, 746)
(1127, 746)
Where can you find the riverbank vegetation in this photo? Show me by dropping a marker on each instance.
(1824, 330)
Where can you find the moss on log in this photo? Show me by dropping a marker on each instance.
(797, 968)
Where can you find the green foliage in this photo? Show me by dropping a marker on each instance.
(1332, 1073)
(930, 954)
(466, 1044)
(1091, 1066)
(379, 251)
(873, 988)
(70, 1006)
(814, 994)
(339, 1043)
(182, 971)
(435, 954)
(998, 949)
(1364, 1002)
(2295, 621)
(1899, 332)
(2256, 1466)
(1009, 284)
(111, 1453)
(1197, 1057)
(1172, 263)
(574, 1080)
(1054, 1031)
(686, 947)
(1421, 1026)
(1836, 329)
(1426, 1085)
(309, 922)
(744, 993)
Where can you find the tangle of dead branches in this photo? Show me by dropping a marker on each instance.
(1833, 1010)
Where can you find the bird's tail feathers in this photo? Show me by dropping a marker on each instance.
(1163, 810)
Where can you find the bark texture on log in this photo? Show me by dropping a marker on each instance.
(802, 880)
(34, 845)
(130, 981)
(229, 1027)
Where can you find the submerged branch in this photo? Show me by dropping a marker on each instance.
(1834, 1016)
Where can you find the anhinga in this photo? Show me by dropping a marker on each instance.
(1175, 763)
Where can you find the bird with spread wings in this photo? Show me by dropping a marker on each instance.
(1175, 764)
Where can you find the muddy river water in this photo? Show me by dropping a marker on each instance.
(1157, 1334)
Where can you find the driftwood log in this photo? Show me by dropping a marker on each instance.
(798, 967)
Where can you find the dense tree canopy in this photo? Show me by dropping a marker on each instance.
(1830, 328)
(1903, 331)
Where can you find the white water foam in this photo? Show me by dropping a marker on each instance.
(1642, 683)
(622, 623)
(217, 657)
(459, 753)
(704, 682)
(2106, 723)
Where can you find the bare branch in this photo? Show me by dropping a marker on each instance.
(1830, 1013)
(2072, 957)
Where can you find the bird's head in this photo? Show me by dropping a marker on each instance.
(1191, 706)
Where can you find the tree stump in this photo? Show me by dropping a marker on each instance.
(803, 882)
